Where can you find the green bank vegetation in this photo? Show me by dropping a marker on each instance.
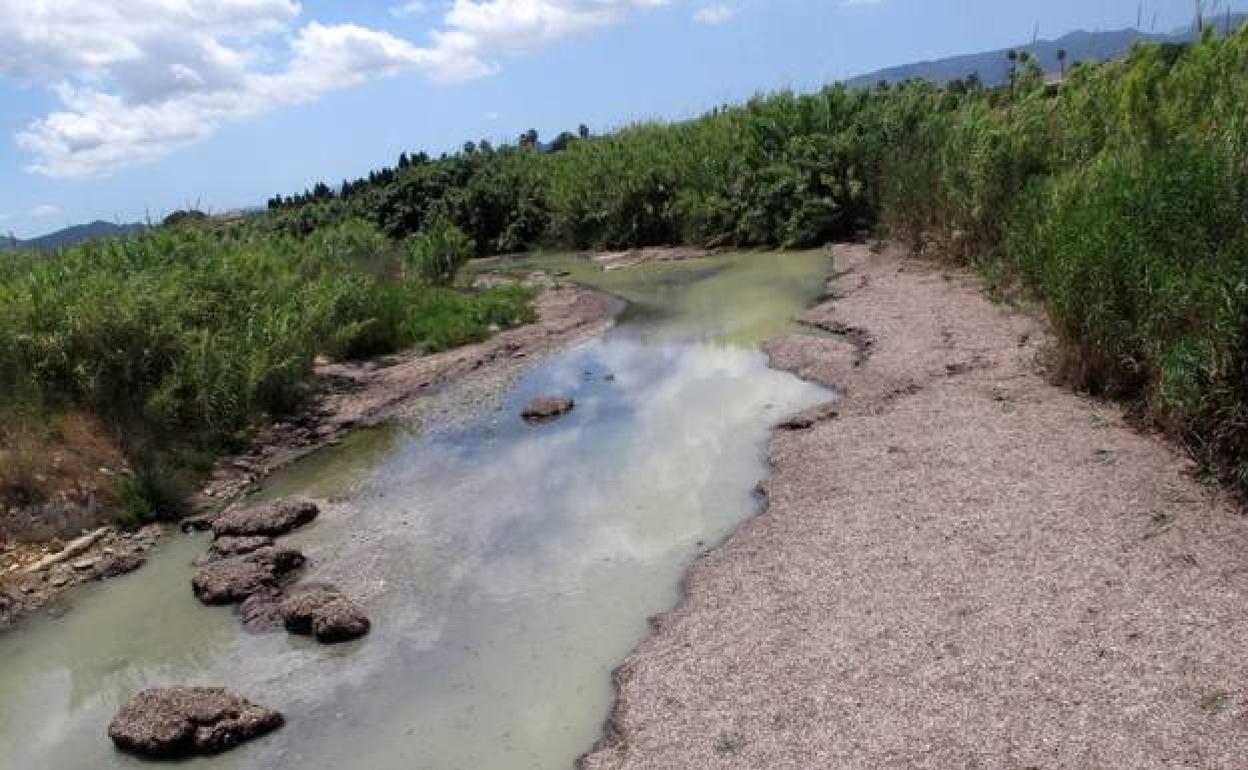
(181, 340)
(1118, 199)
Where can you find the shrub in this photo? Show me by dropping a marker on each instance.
(437, 252)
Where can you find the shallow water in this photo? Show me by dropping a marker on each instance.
(508, 568)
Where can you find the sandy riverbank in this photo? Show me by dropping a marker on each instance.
(967, 567)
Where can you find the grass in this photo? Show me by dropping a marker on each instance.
(182, 340)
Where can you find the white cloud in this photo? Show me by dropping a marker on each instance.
(716, 13)
(138, 79)
(474, 31)
(413, 8)
(45, 210)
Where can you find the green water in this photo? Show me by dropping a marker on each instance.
(508, 568)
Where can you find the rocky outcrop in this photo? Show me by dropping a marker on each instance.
(547, 408)
(233, 580)
(323, 612)
(271, 520)
(174, 722)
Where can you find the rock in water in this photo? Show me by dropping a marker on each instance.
(323, 612)
(262, 611)
(547, 408)
(227, 546)
(233, 580)
(173, 722)
(116, 566)
(265, 520)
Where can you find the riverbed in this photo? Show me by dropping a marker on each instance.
(508, 568)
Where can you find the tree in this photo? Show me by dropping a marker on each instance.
(583, 132)
(1061, 60)
(529, 138)
(562, 141)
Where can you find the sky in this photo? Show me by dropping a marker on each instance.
(126, 110)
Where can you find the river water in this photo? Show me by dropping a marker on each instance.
(507, 567)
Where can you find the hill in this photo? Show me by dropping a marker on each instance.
(993, 67)
(71, 236)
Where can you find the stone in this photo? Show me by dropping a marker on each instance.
(232, 580)
(262, 611)
(228, 546)
(116, 566)
(323, 612)
(547, 408)
(83, 565)
(270, 520)
(177, 722)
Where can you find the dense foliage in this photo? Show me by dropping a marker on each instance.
(184, 337)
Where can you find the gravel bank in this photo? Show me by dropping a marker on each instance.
(965, 567)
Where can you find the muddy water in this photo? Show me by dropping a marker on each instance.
(507, 567)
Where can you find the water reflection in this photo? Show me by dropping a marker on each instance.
(508, 567)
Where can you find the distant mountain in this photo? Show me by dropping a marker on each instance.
(994, 69)
(71, 236)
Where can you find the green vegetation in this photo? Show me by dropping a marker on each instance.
(1117, 199)
(182, 339)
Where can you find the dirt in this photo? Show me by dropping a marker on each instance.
(961, 566)
(348, 396)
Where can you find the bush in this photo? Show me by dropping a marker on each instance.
(436, 253)
(188, 336)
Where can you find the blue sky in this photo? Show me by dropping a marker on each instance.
(128, 109)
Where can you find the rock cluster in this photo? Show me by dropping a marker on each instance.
(176, 722)
(244, 566)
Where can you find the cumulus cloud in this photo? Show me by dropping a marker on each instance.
(138, 79)
(475, 31)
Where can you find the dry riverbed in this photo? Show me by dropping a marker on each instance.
(962, 565)
(349, 396)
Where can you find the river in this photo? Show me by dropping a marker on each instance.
(507, 567)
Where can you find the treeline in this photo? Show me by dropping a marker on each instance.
(1118, 197)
